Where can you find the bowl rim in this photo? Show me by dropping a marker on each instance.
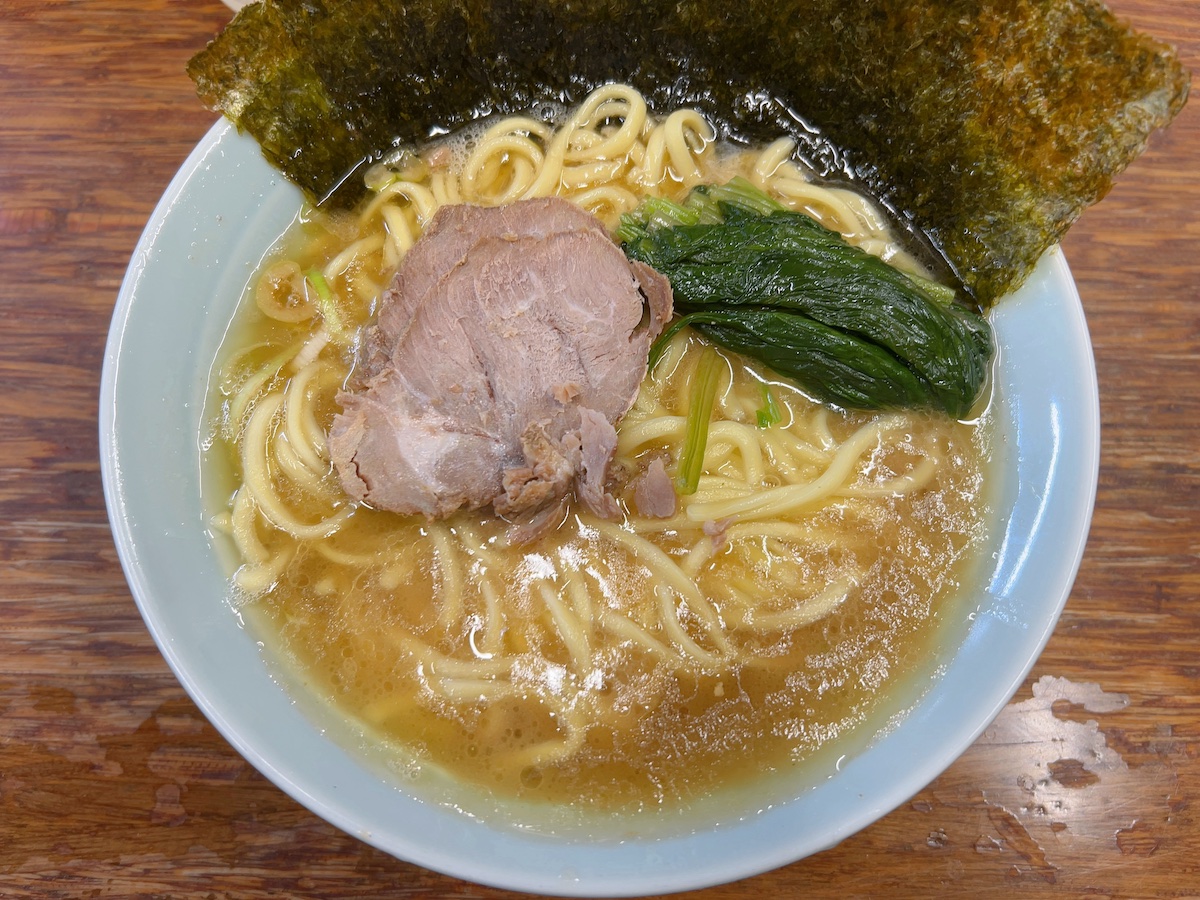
(1053, 497)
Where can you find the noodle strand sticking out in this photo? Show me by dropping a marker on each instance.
(612, 662)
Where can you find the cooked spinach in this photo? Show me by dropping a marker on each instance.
(778, 286)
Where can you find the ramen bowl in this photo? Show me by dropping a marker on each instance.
(217, 219)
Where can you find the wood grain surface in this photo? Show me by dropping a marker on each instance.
(112, 783)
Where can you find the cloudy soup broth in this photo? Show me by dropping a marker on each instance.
(612, 664)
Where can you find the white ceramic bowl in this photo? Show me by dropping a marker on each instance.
(220, 214)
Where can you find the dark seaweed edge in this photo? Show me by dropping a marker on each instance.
(1024, 112)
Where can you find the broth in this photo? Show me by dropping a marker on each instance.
(613, 665)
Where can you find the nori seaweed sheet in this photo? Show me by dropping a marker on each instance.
(986, 127)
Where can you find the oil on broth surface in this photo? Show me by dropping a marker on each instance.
(657, 732)
(394, 622)
(643, 663)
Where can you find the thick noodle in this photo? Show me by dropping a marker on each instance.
(444, 623)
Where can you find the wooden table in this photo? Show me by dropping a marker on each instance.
(112, 784)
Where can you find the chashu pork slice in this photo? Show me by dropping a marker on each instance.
(508, 346)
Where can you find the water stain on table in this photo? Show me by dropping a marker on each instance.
(1077, 786)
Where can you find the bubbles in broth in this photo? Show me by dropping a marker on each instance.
(638, 663)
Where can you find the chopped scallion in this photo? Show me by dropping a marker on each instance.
(327, 305)
(700, 405)
(768, 414)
